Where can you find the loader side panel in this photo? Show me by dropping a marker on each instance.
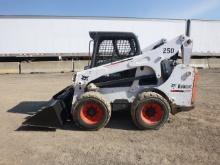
(119, 79)
(179, 86)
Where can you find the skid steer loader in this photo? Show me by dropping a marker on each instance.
(152, 83)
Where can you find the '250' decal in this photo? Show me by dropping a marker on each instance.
(168, 50)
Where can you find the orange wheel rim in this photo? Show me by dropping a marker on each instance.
(91, 113)
(152, 113)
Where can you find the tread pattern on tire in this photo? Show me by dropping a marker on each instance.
(95, 96)
(140, 97)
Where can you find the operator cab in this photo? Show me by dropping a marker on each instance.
(113, 46)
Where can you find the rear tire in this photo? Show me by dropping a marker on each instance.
(150, 111)
(92, 111)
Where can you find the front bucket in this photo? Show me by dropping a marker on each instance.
(49, 116)
(56, 113)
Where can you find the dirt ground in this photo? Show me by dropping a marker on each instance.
(189, 138)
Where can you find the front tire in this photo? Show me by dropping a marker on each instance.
(92, 111)
(150, 111)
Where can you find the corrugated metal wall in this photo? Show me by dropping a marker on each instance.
(27, 35)
(206, 37)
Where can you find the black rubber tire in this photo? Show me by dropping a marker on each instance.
(94, 97)
(144, 98)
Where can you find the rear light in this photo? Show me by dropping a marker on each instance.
(194, 90)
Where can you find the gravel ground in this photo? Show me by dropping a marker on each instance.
(189, 137)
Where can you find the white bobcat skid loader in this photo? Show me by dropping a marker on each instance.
(120, 76)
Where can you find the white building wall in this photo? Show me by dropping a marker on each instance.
(206, 37)
(70, 35)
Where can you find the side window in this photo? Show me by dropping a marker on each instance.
(106, 48)
(125, 48)
(114, 50)
(105, 52)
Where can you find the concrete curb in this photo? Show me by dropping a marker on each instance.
(200, 63)
(9, 67)
(79, 65)
(47, 66)
(214, 63)
(69, 66)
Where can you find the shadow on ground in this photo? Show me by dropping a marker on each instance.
(28, 107)
(119, 119)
